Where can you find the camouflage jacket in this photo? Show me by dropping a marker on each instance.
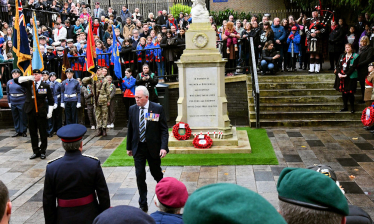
(101, 89)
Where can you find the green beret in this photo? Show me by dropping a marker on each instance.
(311, 189)
(229, 203)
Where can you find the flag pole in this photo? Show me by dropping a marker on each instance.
(33, 87)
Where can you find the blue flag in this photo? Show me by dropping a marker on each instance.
(20, 41)
(37, 58)
(115, 57)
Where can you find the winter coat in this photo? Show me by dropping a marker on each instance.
(336, 40)
(102, 60)
(296, 43)
(170, 50)
(167, 218)
(128, 84)
(279, 33)
(363, 62)
(350, 82)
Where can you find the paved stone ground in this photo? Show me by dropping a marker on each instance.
(349, 151)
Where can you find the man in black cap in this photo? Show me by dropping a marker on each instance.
(37, 120)
(16, 98)
(75, 180)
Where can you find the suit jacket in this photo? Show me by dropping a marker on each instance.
(42, 93)
(101, 12)
(156, 133)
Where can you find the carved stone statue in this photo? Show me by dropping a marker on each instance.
(200, 13)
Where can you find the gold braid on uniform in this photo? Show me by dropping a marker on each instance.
(92, 157)
(50, 161)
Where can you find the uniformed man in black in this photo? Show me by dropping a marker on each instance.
(76, 181)
(37, 121)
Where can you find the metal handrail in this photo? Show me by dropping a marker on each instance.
(255, 86)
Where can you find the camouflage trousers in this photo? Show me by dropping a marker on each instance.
(101, 114)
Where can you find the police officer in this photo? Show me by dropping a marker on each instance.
(45, 75)
(74, 180)
(57, 110)
(70, 97)
(16, 98)
(37, 121)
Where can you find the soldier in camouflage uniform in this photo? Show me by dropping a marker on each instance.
(101, 89)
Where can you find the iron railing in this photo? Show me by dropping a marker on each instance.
(255, 86)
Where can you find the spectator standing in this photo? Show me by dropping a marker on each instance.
(168, 45)
(136, 16)
(171, 196)
(336, 44)
(127, 54)
(98, 12)
(101, 54)
(128, 91)
(60, 32)
(125, 14)
(162, 19)
(293, 42)
(352, 38)
(16, 99)
(112, 105)
(69, 30)
(360, 25)
(146, 140)
(5, 204)
(266, 34)
(285, 45)
(159, 59)
(110, 12)
(141, 53)
(171, 22)
(279, 37)
(128, 28)
(76, 180)
(149, 80)
(346, 77)
(366, 55)
(303, 64)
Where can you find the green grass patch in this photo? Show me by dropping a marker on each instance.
(262, 154)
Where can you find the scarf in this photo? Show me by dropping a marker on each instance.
(96, 27)
(333, 27)
(58, 31)
(363, 48)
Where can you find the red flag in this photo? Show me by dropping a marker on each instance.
(91, 52)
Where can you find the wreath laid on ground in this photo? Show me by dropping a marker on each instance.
(176, 128)
(205, 143)
(367, 117)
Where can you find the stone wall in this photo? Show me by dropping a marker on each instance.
(236, 95)
(248, 6)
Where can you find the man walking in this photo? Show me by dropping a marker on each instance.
(147, 140)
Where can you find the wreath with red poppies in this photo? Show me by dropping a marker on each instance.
(176, 134)
(368, 120)
(197, 142)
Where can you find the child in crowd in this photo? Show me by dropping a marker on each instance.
(149, 53)
(128, 90)
(89, 100)
(78, 28)
(159, 59)
(102, 57)
(141, 54)
(111, 108)
(293, 42)
(74, 62)
(231, 40)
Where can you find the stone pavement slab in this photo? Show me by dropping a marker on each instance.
(349, 151)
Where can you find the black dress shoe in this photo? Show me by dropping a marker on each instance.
(34, 156)
(344, 109)
(24, 135)
(42, 156)
(16, 135)
(144, 208)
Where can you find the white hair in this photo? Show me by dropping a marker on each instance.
(150, 14)
(144, 89)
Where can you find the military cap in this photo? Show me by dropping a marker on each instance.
(82, 42)
(70, 40)
(16, 71)
(52, 74)
(163, 26)
(171, 192)
(62, 40)
(45, 72)
(36, 71)
(69, 70)
(229, 203)
(307, 188)
(71, 133)
(123, 214)
(57, 43)
(42, 37)
(371, 64)
(49, 48)
(59, 48)
(324, 169)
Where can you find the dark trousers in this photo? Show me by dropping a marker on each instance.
(349, 97)
(143, 155)
(361, 80)
(81, 116)
(111, 112)
(38, 123)
(279, 47)
(91, 114)
(57, 119)
(128, 102)
(334, 58)
(19, 118)
(71, 112)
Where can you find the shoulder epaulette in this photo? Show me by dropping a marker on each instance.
(50, 161)
(92, 157)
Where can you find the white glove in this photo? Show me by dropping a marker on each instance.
(62, 105)
(50, 110)
(54, 106)
(10, 105)
(26, 78)
(78, 105)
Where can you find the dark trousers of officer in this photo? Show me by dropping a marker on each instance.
(38, 123)
(19, 118)
(71, 112)
(143, 155)
(57, 119)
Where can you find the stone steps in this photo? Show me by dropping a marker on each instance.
(300, 99)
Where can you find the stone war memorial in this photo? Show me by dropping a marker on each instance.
(202, 102)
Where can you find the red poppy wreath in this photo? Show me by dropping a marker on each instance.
(178, 136)
(204, 143)
(367, 117)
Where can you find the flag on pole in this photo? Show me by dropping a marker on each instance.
(65, 64)
(91, 50)
(20, 41)
(37, 58)
(115, 57)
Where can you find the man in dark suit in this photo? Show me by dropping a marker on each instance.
(76, 180)
(360, 25)
(147, 140)
(37, 121)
